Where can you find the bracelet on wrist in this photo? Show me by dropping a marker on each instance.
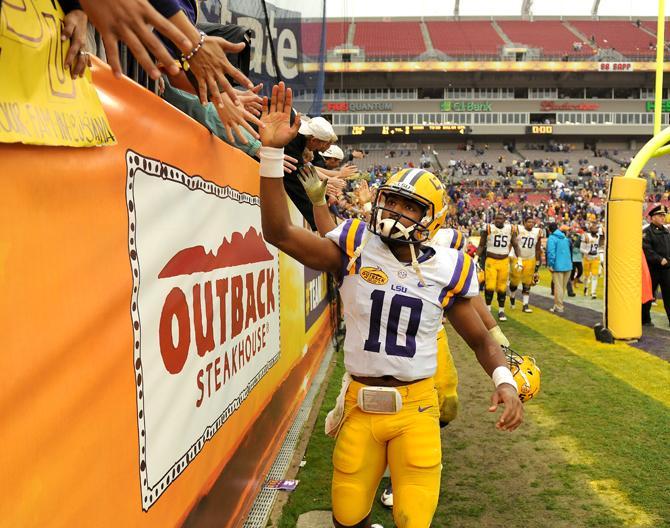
(185, 58)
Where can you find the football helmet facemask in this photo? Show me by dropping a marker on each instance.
(526, 374)
(419, 186)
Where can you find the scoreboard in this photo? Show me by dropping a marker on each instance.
(540, 129)
(406, 130)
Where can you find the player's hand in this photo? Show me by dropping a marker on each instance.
(664, 261)
(315, 187)
(536, 278)
(512, 415)
(74, 28)
(131, 21)
(498, 336)
(209, 67)
(519, 265)
(278, 130)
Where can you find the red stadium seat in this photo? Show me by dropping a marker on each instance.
(549, 35)
(336, 35)
(388, 39)
(466, 38)
(621, 35)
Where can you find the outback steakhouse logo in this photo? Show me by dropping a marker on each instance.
(374, 275)
(204, 310)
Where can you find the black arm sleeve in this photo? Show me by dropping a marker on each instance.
(651, 255)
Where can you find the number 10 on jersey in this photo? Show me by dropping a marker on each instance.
(398, 302)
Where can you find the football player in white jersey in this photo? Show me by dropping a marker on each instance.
(394, 292)
(528, 237)
(590, 249)
(446, 375)
(496, 242)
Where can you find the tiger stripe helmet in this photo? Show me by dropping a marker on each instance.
(526, 374)
(424, 188)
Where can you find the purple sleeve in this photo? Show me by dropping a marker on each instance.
(167, 8)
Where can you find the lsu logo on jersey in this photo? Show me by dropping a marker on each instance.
(374, 275)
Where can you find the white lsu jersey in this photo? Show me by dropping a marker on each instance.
(590, 246)
(499, 239)
(449, 238)
(392, 319)
(528, 241)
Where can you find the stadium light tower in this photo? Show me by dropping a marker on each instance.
(622, 318)
(594, 8)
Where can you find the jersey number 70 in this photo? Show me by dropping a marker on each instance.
(398, 302)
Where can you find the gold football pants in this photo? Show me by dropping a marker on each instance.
(496, 272)
(408, 441)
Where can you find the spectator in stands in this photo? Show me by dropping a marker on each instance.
(75, 27)
(315, 135)
(129, 21)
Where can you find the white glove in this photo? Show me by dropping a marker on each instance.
(314, 186)
(498, 336)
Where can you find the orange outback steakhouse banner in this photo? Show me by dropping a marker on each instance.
(40, 103)
(145, 350)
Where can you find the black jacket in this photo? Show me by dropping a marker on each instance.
(656, 245)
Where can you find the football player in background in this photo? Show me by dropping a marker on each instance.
(590, 248)
(529, 238)
(496, 242)
(395, 291)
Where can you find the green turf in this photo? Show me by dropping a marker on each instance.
(593, 451)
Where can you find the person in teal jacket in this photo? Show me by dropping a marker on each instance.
(559, 262)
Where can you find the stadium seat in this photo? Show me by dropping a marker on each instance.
(549, 35)
(336, 35)
(466, 38)
(620, 35)
(390, 39)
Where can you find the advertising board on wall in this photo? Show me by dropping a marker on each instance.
(205, 311)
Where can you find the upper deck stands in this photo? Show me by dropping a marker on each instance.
(387, 39)
(468, 37)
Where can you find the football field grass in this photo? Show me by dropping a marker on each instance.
(594, 449)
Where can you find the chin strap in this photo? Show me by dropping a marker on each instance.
(415, 265)
(358, 250)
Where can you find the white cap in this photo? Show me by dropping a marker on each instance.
(318, 127)
(333, 152)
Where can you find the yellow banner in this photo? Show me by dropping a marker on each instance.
(40, 103)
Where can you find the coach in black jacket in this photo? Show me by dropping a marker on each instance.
(656, 245)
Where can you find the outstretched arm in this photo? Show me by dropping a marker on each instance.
(490, 356)
(303, 245)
